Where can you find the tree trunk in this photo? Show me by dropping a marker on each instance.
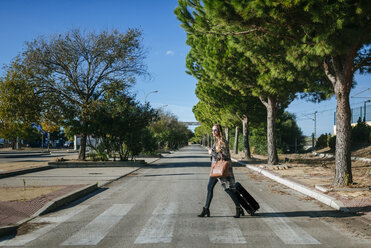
(343, 167)
(82, 151)
(236, 140)
(245, 132)
(227, 136)
(342, 83)
(48, 141)
(272, 107)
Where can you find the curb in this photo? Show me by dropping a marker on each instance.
(22, 154)
(326, 155)
(88, 164)
(50, 206)
(56, 203)
(25, 171)
(325, 199)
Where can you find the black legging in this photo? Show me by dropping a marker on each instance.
(210, 190)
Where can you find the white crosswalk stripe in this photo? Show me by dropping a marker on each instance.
(160, 227)
(225, 230)
(285, 229)
(53, 221)
(97, 229)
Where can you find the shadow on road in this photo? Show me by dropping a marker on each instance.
(310, 214)
(172, 174)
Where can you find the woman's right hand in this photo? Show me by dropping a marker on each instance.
(210, 151)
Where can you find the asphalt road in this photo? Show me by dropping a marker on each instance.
(158, 207)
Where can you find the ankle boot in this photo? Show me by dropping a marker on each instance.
(239, 211)
(205, 211)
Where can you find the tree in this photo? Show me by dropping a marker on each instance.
(20, 106)
(223, 77)
(80, 67)
(333, 36)
(120, 123)
(261, 68)
(169, 132)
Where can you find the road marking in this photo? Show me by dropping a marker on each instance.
(225, 230)
(54, 222)
(160, 227)
(287, 230)
(98, 228)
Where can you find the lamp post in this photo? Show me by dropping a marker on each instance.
(364, 109)
(154, 91)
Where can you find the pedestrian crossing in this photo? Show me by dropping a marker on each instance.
(227, 231)
(53, 222)
(161, 225)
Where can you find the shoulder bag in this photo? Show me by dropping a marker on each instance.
(219, 168)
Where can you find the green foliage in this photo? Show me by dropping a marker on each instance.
(99, 153)
(18, 100)
(121, 123)
(201, 131)
(258, 140)
(19, 104)
(236, 71)
(290, 137)
(361, 133)
(148, 141)
(323, 141)
(169, 132)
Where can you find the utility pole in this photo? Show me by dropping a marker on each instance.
(315, 123)
(315, 127)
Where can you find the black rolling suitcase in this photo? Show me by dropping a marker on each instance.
(246, 200)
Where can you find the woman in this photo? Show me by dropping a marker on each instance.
(220, 150)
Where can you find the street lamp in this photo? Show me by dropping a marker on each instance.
(145, 99)
(364, 109)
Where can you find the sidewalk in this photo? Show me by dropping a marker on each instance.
(26, 196)
(312, 175)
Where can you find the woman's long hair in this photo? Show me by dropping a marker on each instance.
(220, 141)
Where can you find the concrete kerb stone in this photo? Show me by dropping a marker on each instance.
(63, 200)
(52, 205)
(21, 154)
(329, 201)
(326, 155)
(24, 171)
(91, 164)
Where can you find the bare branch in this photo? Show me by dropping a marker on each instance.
(232, 33)
(328, 74)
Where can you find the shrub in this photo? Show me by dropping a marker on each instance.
(99, 153)
(322, 141)
(258, 141)
(361, 133)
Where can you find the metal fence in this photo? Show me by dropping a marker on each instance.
(363, 112)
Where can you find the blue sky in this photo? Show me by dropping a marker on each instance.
(24, 20)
